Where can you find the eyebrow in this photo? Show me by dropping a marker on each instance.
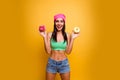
(59, 20)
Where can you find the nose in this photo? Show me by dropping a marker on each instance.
(59, 22)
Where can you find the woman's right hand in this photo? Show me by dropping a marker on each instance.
(43, 34)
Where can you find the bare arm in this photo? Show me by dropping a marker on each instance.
(46, 38)
(70, 42)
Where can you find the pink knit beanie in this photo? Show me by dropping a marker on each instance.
(59, 16)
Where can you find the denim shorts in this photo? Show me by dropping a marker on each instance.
(58, 66)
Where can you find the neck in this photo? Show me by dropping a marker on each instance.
(59, 32)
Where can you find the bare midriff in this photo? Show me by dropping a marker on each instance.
(58, 55)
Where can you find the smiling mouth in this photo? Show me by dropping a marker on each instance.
(59, 27)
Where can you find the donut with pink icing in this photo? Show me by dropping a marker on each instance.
(42, 28)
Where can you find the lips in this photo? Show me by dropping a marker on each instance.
(59, 27)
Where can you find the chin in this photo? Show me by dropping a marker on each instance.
(59, 29)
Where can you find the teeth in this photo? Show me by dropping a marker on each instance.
(59, 27)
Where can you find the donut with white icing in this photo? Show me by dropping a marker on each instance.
(76, 30)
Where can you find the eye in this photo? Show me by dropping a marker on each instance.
(61, 21)
(57, 21)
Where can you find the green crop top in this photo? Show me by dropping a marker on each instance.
(58, 45)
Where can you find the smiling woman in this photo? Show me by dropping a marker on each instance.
(57, 44)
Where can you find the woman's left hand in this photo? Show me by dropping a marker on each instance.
(74, 35)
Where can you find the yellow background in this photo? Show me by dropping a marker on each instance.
(94, 54)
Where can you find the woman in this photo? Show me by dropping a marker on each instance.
(57, 45)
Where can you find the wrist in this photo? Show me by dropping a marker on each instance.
(44, 37)
(72, 38)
